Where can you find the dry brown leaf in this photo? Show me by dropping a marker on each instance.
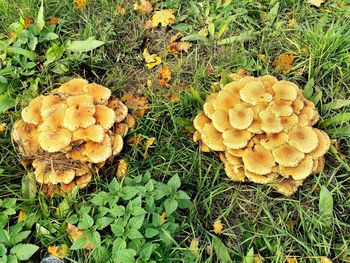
(52, 21)
(60, 251)
(135, 103)
(122, 169)
(173, 97)
(121, 10)
(284, 62)
(28, 21)
(148, 143)
(145, 7)
(163, 17)
(80, 3)
(218, 227)
(135, 140)
(164, 77)
(176, 37)
(151, 60)
(316, 3)
(177, 47)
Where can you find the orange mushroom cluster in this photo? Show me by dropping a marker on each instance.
(68, 133)
(263, 130)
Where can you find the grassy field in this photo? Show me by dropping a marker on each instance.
(256, 219)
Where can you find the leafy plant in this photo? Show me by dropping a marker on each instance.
(137, 218)
(12, 236)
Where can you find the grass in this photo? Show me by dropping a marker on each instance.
(254, 216)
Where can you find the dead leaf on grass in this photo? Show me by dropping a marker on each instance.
(151, 60)
(163, 17)
(148, 143)
(145, 7)
(122, 169)
(137, 104)
(316, 3)
(164, 77)
(284, 62)
(80, 3)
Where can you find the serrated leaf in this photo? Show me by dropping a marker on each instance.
(86, 222)
(136, 221)
(133, 233)
(170, 205)
(174, 182)
(128, 192)
(81, 242)
(124, 256)
(103, 222)
(146, 251)
(24, 251)
(151, 232)
(100, 198)
(20, 236)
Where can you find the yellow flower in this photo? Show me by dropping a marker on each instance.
(218, 227)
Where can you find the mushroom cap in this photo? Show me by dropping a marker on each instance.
(255, 127)
(280, 108)
(93, 133)
(287, 155)
(117, 144)
(234, 87)
(66, 176)
(77, 154)
(323, 144)
(212, 138)
(40, 171)
(225, 101)
(26, 136)
(270, 123)
(100, 93)
(301, 171)
(73, 87)
(297, 106)
(54, 139)
(32, 113)
(233, 160)
(236, 139)
(104, 116)
(49, 104)
(260, 179)
(274, 140)
(130, 121)
(240, 117)
(235, 152)
(258, 160)
(268, 82)
(200, 121)
(208, 108)
(303, 139)
(55, 119)
(98, 151)
(235, 173)
(121, 129)
(80, 116)
(289, 122)
(254, 93)
(285, 90)
(221, 120)
(286, 186)
(303, 120)
(68, 188)
(76, 100)
(318, 165)
(83, 181)
(120, 109)
(196, 136)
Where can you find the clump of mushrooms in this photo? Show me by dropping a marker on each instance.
(262, 129)
(67, 134)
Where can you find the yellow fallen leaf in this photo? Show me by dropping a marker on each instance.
(163, 217)
(164, 77)
(284, 62)
(203, 32)
(177, 47)
(176, 37)
(121, 10)
(173, 97)
(151, 60)
(194, 247)
(149, 83)
(122, 169)
(258, 259)
(292, 260)
(316, 3)
(145, 7)
(148, 143)
(2, 127)
(21, 216)
(292, 22)
(80, 3)
(218, 227)
(163, 17)
(60, 251)
(325, 260)
(74, 233)
(137, 104)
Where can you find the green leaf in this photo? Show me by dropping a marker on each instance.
(174, 182)
(272, 14)
(4, 237)
(133, 233)
(80, 243)
(117, 211)
(136, 221)
(316, 98)
(309, 88)
(3, 250)
(86, 222)
(124, 256)
(19, 237)
(80, 46)
(151, 232)
(95, 238)
(118, 244)
(12, 259)
(249, 258)
(170, 205)
(335, 120)
(339, 132)
(40, 22)
(336, 104)
(195, 37)
(6, 102)
(50, 36)
(221, 250)
(53, 53)
(24, 251)
(62, 209)
(243, 37)
(128, 192)
(326, 204)
(29, 186)
(21, 51)
(103, 222)
(100, 198)
(117, 229)
(182, 195)
(146, 251)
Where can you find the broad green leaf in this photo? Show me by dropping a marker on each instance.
(249, 258)
(221, 250)
(174, 182)
(336, 120)
(117, 229)
(326, 203)
(128, 192)
(243, 37)
(151, 232)
(80, 46)
(146, 251)
(40, 22)
(211, 29)
(309, 88)
(20, 236)
(29, 186)
(80, 243)
(336, 104)
(133, 233)
(272, 14)
(86, 222)
(100, 199)
(339, 132)
(170, 205)
(103, 222)
(53, 53)
(95, 238)
(4, 237)
(62, 209)
(316, 98)
(12, 259)
(24, 251)
(195, 37)
(124, 256)
(21, 51)
(118, 244)
(6, 102)
(117, 211)
(3, 250)
(50, 36)
(136, 222)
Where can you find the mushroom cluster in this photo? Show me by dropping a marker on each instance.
(263, 130)
(68, 133)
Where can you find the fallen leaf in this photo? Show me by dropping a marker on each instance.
(149, 83)
(325, 260)
(122, 169)
(163, 217)
(28, 21)
(137, 104)
(148, 143)
(209, 249)
(52, 21)
(164, 77)
(258, 259)
(60, 251)
(135, 140)
(218, 227)
(151, 60)
(203, 32)
(194, 247)
(21, 216)
(121, 10)
(176, 37)
(292, 22)
(316, 3)
(163, 17)
(177, 47)
(145, 7)
(173, 97)
(80, 3)
(130, 121)
(74, 233)
(284, 62)
(292, 260)
(2, 127)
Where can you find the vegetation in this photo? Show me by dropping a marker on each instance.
(104, 42)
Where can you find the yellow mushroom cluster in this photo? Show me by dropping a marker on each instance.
(263, 130)
(68, 133)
